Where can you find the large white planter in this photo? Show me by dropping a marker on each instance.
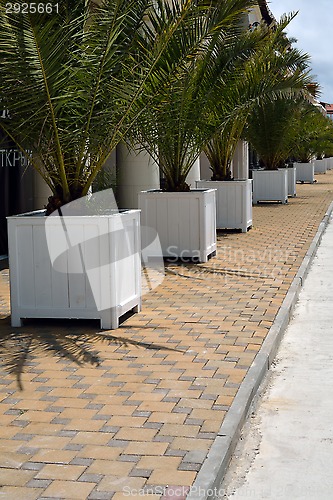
(320, 166)
(270, 185)
(184, 221)
(291, 181)
(103, 278)
(233, 203)
(305, 172)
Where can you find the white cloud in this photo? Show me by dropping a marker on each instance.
(312, 27)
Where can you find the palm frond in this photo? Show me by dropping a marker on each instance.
(175, 130)
(271, 70)
(76, 83)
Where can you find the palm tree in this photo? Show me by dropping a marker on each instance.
(210, 101)
(314, 134)
(75, 83)
(273, 71)
(272, 131)
(176, 130)
(221, 148)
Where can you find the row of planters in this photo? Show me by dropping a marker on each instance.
(178, 79)
(305, 172)
(288, 131)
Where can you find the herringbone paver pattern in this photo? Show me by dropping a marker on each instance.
(93, 415)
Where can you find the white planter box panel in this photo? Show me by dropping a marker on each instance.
(185, 222)
(305, 172)
(291, 181)
(233, 203)
(320, 166)
(38, 290)
(329, 163)
(270, 185)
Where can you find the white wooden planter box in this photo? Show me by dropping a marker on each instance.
(305, 172)
(185, 221)
(291, 181)
(329, 163)
(233, 203)
(104, 286)
(270, 185)
(320, 166)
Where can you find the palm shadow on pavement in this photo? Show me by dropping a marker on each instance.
(72, 340)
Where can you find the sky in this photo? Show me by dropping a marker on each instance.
(313, 29)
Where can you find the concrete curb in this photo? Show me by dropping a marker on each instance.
(207, 483)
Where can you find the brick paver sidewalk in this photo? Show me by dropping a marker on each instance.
(92, 415)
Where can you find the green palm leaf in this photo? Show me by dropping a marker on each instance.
(272, 71)
(75, 83)
(175, 130)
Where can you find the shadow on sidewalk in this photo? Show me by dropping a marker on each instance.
(3, 264)
(21, 347)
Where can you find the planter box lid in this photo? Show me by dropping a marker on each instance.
(195, 190)
(41, 213)
(224, 182)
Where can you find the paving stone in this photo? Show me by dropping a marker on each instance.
(13, 411)
(182, 410)
(175, 453)
(152, 425)
(140, 473)
(15, 492)
(91, 478)
(93, 406)
(173, 492)
(63, 421)
(110, 429)
(69, 490)
(100, 495)
(22, 437)
(141, 413)
(73, 446)
(20, 423)
(55, 409)
(171, 400)
(190, 466)
(101, 417)
(39, 483)
(81, 461)
(129, 458)
(27, 450)
(164, 439)
(48, 398)
(181, 360)
(195, 456)
(117, 443)
(32, 466)
(67, 433)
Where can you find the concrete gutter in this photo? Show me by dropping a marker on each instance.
(208, 481)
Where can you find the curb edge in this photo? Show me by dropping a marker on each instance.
(213, 470)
